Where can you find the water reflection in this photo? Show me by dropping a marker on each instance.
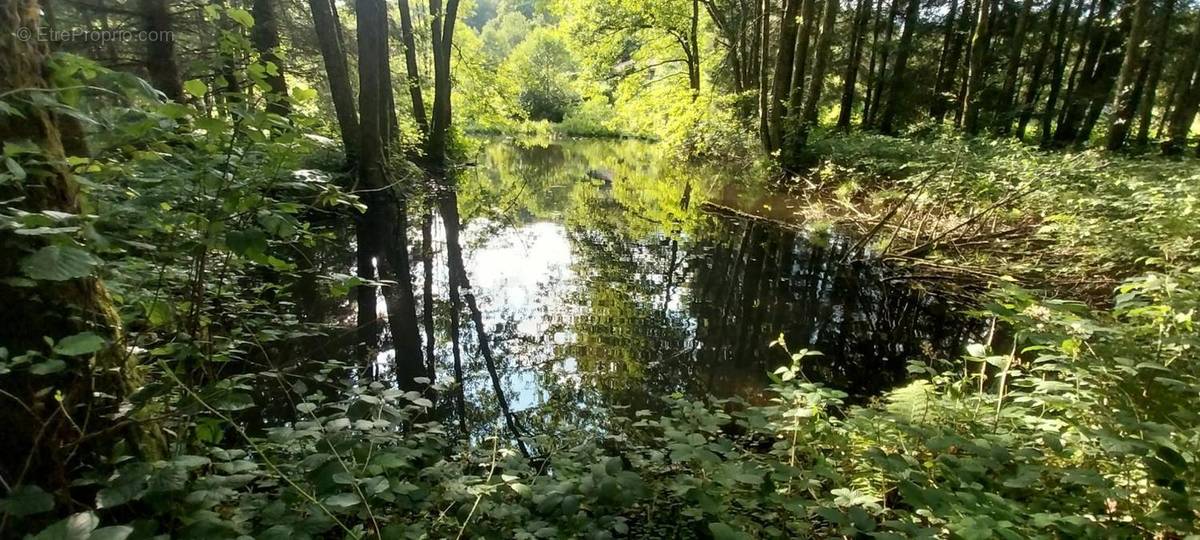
(602, 283)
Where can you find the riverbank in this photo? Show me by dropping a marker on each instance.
(972, 214)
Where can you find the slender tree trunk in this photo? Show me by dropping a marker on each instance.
(1079, 97)
(784, 58)
(1128, 93)
(265, 37)
(1154, 76)
(869, 91)
(808, 16)
(694, 51)
(42, 437)
(387, 213)
(427, 317)
(160, 52)
(862, 15)
(948, 38)
(413, 76)
(764, 127)
(1057, 68)
(945, 93)
(820, 63)
(1187, 97)
(975, 80)
(900, 86)
(881, 80)
(333, 52)
(1008, 94)
(443, 42)
(1037, 72)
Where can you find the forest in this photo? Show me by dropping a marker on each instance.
(727, 269)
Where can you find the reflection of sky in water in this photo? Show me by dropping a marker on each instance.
(512, 269)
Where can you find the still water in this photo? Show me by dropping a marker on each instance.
(607, 277)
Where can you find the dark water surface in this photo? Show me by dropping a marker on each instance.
(604, 279)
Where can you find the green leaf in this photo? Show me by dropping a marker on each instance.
(76, 527)
(196, 88)
(53, 365)
(342, 500)
(26, 500)
(59, 263)
(119, 532)
(79, 344)
(721, 531)
(241, 17)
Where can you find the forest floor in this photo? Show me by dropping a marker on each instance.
(971, 214)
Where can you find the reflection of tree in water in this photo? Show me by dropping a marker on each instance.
(662, 298)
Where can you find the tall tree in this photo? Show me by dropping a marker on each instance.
(944, 89)
(812, 101)
(1125, 102)
(781, 86)
(265, 37)
(1154, 67)
(862, 16)
(387, 212)
(1088, 82)
(160, 48)
(764, 92)
(41, 438)
(1187, 96)
(948, 35)
(413, 76)
(1016, 45)
(975, 78)
(803, 51)
(870, 119)
(900, 85)
(1037, 72)
(869, 90)
(1057, 68)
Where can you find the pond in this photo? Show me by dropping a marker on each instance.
(608, 276)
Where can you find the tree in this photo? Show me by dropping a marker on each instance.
(1187, 97)
(1154, 69)
(862, 16)
(265, 37)
(817, 81)
(1052, 28)
(1129, 84)
(160, 48)
(1008, 94)
(781, 86)
(898, 93)
(975, 78)
(67, 315)
(387, 214)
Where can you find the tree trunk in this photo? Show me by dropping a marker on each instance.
(900, 86)
(1039, 65)
(443, 42)
(1155, 69)
(1128, 93)
(820, 63)
(413, 75)
(42, 435)
(1083, 89)
(1008, 94)
(1057, 69)
(1187, 97)
(160, 52)
(333, 52)
(975, 81)
(862, 15)
(945, 94)
(694, 51)
(783, 72)
(265, 37)
(871, 84)
(387, 213)
(881, 80)
(764, 129)
(948, 39)
(808, 16)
